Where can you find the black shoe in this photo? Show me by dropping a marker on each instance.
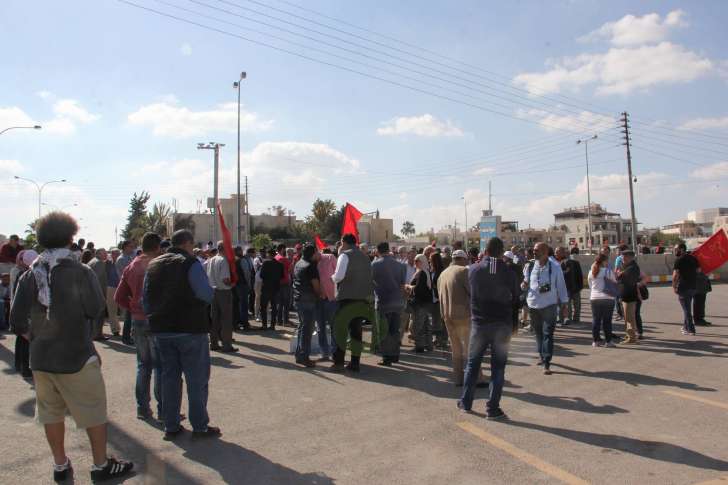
(127, 341)
(495, 414)
(172, 435)
(483, 385)
(210, 432)
(114, 468)
(215, 348)
(540, 362)
(306, 363)
(63, 475)
(229, 350)
(352, 367)
(419, 350)
(27, 374)
(144, 414)
(462, 407)
(337, 367)
(385, 362)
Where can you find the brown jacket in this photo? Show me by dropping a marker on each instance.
(453, 288)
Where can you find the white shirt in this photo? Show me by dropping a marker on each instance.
(598, 285)
(217, 270)
(411, 270)
(342, 264)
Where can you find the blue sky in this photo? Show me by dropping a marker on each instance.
(124, 96)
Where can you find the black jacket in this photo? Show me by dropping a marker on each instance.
(628, 281)
(573, 277)
(494, 292)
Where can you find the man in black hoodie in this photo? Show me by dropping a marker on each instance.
(494, 292)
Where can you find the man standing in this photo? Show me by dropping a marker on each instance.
(281, 308)
(408, 261)
(327, 305)
(574, 279)
(389, 280)
(53, 307)
(684, 279)
(98, 265)
(9, 253)
(494, 295)
(306, 293)
(176, 295)
(112, 281)
(129, 297)
(271, 274)
(454, 290)
(628, 279)
(546, 290)
(446, 257)
(354, 290)
(128, 253)
(244, 287)
(702, 288)
(218, 274)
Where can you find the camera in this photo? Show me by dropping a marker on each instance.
(544, 288)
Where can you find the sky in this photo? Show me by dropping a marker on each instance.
(410, 107)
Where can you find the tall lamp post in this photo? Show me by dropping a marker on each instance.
(216, 147)
(586, 141)
(465, 239)
(239, 231)
(34, 127)
(40, 188)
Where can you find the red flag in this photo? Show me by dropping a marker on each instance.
(319, 243)
(351, 217)
(713, 253)
(227, 241)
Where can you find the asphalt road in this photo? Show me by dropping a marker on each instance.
(648, 414)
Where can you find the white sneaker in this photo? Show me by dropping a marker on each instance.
(595, 344)
(610, 345)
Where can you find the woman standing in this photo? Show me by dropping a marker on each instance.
(420, 298)
(438, 327)
(603, 284)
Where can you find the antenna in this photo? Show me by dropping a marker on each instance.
(490, 197)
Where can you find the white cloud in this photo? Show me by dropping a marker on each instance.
(484, 171)
(72, 110)
(633, 30)
(10, 167)
(424, 125)
(711, 172)
(14, 116)
(706, 124)
(620, 70)
(45, 94)
(583, 122)
(168, 118)
(186, 49)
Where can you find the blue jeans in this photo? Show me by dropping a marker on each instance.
(306, 318)
(325, 311)
(147, 364)
(602, 311)
(543, 321)
(243, 296)
(188, 354)
(686, 302)
(494, 336)
(391, 341)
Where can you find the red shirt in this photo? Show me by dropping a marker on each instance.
(128, 294)
(9, 254)
(286, 279)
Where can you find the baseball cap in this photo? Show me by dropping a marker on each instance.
(459, 254)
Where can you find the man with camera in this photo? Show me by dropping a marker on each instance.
(546, 289)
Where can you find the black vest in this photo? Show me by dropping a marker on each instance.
(171, 301)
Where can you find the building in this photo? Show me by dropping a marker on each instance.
(705, 218)
(266, 222)
(489, 227)
(374, 229)
(721, 222)
(203, 224)
(607, 227)
(685, 229)
(526, 238)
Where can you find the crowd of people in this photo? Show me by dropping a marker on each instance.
(175, 302)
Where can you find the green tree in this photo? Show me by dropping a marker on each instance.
(262, 241)
(137, 221)
(157, 219)
(666, 240)
(278, 210)
(408, 229)
(184, 222)
(31, 240)
(331, 228)
(320, 212)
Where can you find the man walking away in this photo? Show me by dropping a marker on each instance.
(494, 295)
(389, 280)
(684, 279)
(54, 306)
(306, 293)
(702, 288)
(628, 279)
(98, 265)
(574, 279)
(454, 290)
(176, 295)
(128, 253)
(129, 297)
(271, 273)
(218, 274)
(546, 290)
(354, 290)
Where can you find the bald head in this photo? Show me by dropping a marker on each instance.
(541, 251)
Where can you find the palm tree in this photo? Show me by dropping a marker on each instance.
(408, 229)
(157, 218)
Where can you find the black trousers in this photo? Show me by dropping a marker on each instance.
(268, 296)
(699, 307)
(22, 354)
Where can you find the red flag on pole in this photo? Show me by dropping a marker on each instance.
(351, 217)
(227, 241)
(713, 253)
(319, 243)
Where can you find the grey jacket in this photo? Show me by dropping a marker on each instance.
(99, 268)
(60, 339)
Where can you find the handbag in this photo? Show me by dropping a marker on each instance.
(611, 287)
(644, 292)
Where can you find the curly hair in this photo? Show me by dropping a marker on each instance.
(56, 230)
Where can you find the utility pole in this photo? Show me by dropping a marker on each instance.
(238, 232)
(586, 141)
(625, 125)
(465, 238)
(247, 207)
(216, 148)
(490, 197)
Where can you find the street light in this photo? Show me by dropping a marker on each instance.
(34, 127)
(236, 85)
(465, 239)
(586, 141)
(40, 188)
(216, 147)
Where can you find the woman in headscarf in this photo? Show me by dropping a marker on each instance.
(22, 346)
(420, 299)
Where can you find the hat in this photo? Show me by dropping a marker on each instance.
(509, 255)
(459, 254)
(627, 252)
